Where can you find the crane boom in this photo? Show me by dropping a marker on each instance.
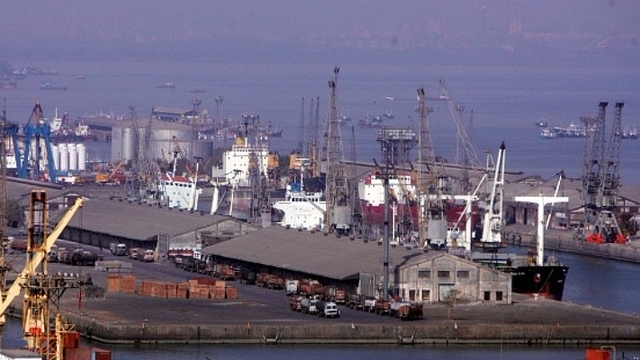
(35, 257)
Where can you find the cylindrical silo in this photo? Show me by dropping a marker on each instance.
(128, 143)
(73, 156)
(55, 152)
(82, 157)
(64, 157)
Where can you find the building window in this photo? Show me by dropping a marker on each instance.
(463, 274)
(424, 274)
(443, 274)
(487, 295)
(499, 295)
(426, 295)
(412, 295)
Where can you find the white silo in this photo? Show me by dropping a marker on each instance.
(82, 157)
(64, 157)
(55, 152)
(73, 156)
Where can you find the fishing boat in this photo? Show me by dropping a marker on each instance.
(547, 133)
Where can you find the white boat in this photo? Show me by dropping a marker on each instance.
(547, 133)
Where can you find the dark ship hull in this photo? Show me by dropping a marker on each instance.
(544, 281)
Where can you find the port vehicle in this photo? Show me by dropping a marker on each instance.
(291, 286)
(247, 276)
(118, 249)
(309, 287)
(295, 302)
(148, 256)
(134, 253)
(308, 305)
(406, 310)
(327, 309)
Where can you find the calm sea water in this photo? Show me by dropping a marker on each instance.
(502, 103)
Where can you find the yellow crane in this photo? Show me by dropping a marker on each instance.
(38, 285)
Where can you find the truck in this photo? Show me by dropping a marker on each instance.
(335, 294)
(408, 311)
(291, 286)
(148, 256)
(327, 309)
(308, 305)
(134, 253)
(118, 249)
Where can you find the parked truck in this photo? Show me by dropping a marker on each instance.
(327, 309)
(308, 305)
(148, 256)
(406, 311)
(291, 286)
(335, 294)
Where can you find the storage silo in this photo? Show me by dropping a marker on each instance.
(64, 157)
(82, 157)
(55, 152)
(73, 156)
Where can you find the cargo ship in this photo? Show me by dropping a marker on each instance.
(531, 274)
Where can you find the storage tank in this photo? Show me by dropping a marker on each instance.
(82, 157)
(122, 142)
(64, 157)
(73, 156)
(55, 152)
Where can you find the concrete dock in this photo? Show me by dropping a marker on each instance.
(262, 315)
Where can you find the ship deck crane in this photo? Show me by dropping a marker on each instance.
(39, 286)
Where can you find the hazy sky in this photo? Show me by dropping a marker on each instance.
(492, 26)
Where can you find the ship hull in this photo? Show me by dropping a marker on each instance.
(543, 281)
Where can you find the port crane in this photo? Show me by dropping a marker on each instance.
(39, 286)
(338, 214)
(38, 132)
(601, 177)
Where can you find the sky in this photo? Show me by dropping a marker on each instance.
(462, 30)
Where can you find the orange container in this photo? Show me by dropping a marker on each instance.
(597, 354)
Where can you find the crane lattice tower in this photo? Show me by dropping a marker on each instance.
(338, 211)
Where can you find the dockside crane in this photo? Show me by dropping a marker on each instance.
(338, 214)
(38, 133)
(601, 177)
(40, 287)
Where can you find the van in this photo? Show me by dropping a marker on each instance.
(121, 250)
(134, 253)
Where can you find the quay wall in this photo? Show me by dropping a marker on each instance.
(406, 332)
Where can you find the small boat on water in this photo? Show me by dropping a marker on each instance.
(49, 86)
(547, 133)
(167, 85)
(542, 123)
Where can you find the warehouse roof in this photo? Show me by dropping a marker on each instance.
(312, 253)
(138, 221)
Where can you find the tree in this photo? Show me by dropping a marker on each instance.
(450, 300)
(14, 213)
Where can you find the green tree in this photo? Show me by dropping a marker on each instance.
(450, 300)
(14, 213)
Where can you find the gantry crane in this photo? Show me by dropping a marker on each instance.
(338, 214)
(38, 132)
(39, 286)
(601, 177)
(140, 182)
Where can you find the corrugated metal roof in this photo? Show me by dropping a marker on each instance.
(138, 222)
(328, 256)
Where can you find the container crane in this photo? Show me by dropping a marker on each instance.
(41, 287)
